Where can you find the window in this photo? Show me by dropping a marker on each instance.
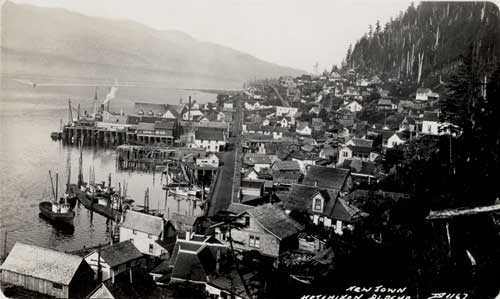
(57, 286)
(254, 242)
(150, 236)
(317, 204)
(247, 220)
(345, 154)
(134, 232)
(151, 248)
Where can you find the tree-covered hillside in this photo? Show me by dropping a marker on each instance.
(426, 42)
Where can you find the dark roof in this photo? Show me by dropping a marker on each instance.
(120, 253)
(194, 260)
(360, 149)
(431, 116)
(238, 208)
(275, 220)
(286, 165)
(300, 198)
(209, 134)
(326, 177)
(252, 184)
(142, 285)
(231, 282)
(358, 166)
(164, 125)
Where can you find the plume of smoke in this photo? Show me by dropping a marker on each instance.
(111, 94)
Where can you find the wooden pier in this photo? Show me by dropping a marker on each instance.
(147, 157)
(95, 136)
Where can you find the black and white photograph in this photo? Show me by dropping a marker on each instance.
(247, 149)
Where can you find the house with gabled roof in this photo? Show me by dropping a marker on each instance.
(325, 206)
(286, 172)
(211, 139)
(398, 138)
(115, 259)
(328, 177)
(135, 283)
(267, 229)
(47, 271)
(144, 230)
(193, 260)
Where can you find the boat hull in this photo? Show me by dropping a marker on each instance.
(46, 211)
(91, 204)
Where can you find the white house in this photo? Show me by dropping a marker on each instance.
(190, 115)
(287, 111)
(212, 140)
(430, 123)
(425, 94)
(115, 259)
(211, 161)
(144, 230)
(353, 106)
(398, 138)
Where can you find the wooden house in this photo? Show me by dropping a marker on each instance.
(144, 230)
(47, 271)
(115, 259)
(267, 229)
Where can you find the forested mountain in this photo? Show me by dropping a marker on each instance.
(427, 40)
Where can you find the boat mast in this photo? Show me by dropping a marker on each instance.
(57, 182)
(52, 185)
(80, 162)
(68, 166)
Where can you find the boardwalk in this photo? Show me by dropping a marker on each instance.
(227, 186)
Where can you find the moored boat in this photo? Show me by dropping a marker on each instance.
(57, 210)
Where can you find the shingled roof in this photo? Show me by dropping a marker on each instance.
(143, 222)
(209, 134)
(120, 253)
(326, 177)
(275, 220)
(300, 198)
(42, 263)
(286, 165)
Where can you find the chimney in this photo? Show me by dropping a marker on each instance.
(188, 237)
(316, 183)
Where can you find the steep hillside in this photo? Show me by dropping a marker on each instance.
(428, 40)
(53, 41)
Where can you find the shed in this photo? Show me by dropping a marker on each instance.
(47, 271)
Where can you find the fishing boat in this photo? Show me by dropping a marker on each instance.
(58, 209)
(192, 191)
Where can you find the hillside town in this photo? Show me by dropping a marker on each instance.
(342, 184)
(308, 152)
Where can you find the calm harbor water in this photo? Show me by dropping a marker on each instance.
(27, 117)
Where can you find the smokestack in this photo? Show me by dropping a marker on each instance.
(189, 109)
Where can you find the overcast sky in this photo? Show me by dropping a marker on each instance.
(296, 33)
